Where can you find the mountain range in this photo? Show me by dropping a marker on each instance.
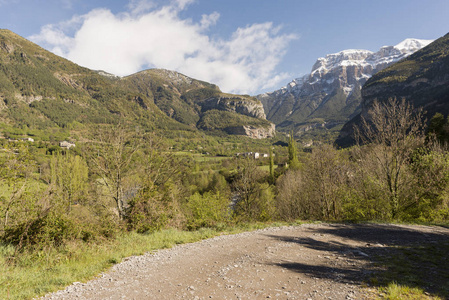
(422, 79)
(40, 90)
(331, 94)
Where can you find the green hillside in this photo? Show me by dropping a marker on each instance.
(40, 90)
(188, 100)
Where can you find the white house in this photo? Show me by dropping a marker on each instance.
(66, 145)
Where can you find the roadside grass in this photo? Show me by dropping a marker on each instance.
(414, 272)
(35, 274)
(400, 292)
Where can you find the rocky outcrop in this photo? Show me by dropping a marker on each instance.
(7, 47)
(197, 103)
(253, 131)
(245, 106)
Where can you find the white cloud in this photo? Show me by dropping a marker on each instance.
(139, 6)
(147, 37)
(182, 4)
(209, 20)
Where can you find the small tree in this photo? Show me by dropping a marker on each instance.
(272, 179)
(438, 127)
(247, 189)
(324, 180)
(69, 174)
(15, 170)
(293, 162)
(157, 202)
(291, 201)
(208, 210)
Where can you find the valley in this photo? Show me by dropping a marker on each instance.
(95, 168)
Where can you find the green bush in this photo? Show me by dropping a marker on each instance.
(52, 229)
(207, 210)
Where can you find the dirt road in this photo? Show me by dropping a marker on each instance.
(313, 261)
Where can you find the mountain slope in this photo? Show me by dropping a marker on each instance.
(191, 101)
(41, 90)
(422, 79)
(330, 94)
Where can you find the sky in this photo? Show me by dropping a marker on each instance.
(243, 46)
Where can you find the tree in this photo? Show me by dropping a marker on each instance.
(271, 166)
(156, 202)
(293, 162)
(247, 188)
(24, 203)
(393, 130)
(430, 167)
(111, 156)
(438, 127)
(325, 175)
(16, 165)
(208, 209)
(69, 174)
(291, 202)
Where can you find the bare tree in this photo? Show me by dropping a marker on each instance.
(393, 129)
(112, 155)
(247, 189)
(157, 202)
(324, 179)
(291, 202)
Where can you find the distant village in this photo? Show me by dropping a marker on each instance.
(63, 144)
(254, 155)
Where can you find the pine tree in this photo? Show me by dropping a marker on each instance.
(293, 162)
(271, 166)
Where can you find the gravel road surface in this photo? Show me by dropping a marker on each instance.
(312, 261)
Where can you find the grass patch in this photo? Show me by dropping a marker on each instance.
(395, 291)
(414, 272)
(35, 274)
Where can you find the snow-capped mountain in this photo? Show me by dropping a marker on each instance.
(331, 92)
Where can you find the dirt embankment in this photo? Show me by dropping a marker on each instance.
(313, 261)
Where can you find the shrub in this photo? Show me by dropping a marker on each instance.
(51, 229)
(207, 210)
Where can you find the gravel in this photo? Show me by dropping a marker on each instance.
(312, 261)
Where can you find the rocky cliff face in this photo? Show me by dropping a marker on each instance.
(242, 105)
(199, 104)
(331, 92)
(422, 79)
(253, 131)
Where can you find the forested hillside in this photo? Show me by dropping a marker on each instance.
(40, 90)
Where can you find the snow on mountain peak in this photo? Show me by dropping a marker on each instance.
(412, 45)
(347, 67)
(345, 57)
(332, 77)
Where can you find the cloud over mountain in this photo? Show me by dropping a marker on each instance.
(148, 36)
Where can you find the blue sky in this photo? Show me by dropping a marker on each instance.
(244, 46)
